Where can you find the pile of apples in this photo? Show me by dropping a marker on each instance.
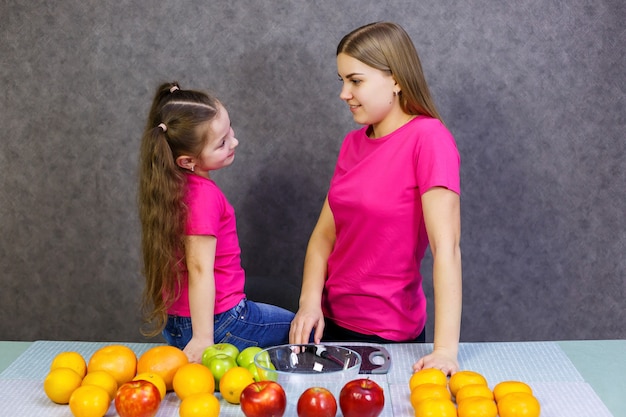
(358, 398)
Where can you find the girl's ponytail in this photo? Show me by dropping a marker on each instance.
(171, 131)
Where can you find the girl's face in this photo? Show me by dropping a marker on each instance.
(219, 151)
(369, 93)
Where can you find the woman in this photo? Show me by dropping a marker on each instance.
(395, 190)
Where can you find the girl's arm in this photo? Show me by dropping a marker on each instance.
(442, 216)
(309, 315)
(200, 259)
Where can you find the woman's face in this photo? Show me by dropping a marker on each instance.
(367, 90)
(219, 151)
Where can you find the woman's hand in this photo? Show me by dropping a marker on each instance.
(443, 224)
(303, 324)
(440, 359)
(309, 315)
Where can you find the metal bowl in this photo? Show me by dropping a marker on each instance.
(298, 367)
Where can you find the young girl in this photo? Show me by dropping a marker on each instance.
(395, 190)
(194, 279)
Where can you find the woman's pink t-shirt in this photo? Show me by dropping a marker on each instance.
(210, 213)
(374, 284)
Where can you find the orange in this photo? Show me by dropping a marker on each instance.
(193, 378)
(200, 405)
(163, 360)
(518, 404)
(435, 407)
(506, 387)
(89, 401)
(155, 379)
(474, 390)
(477, 407)
(60, 383)
(118, 360)
(430, 375)
(462, 378)
(233, 382)
(72, 360)
(428, 390)
(101, 379)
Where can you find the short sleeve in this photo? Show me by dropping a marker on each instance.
(205, 206)
(437, 160)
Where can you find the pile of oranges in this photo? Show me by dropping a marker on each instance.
(467, 394)
(90, 387)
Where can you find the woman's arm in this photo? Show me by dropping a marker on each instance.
(309, 315)
(442, 216)
(200, 259)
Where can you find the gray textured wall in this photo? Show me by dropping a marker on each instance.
(533, 91)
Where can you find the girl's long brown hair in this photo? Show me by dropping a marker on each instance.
(173, 129)
(387, 47)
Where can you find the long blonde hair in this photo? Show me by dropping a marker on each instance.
(173, 129)
(387, 47)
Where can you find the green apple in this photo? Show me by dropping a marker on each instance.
(263, 358)
(246, 356)
(254, 371)
(223, 348)
(257, 372)
(265, 369)
(218, 365)
(267, 375)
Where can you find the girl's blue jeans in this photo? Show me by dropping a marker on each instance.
(246, 324)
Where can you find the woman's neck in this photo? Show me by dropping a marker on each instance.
(390, 124)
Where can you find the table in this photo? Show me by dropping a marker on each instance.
(570, 378)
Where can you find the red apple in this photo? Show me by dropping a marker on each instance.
(361, 398)
(263, 399)
(137, 399)
(317, 402)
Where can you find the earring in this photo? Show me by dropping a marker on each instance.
(192, 168)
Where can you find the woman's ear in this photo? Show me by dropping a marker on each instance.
(185, 162)
(396, 89)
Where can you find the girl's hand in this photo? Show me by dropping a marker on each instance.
(440, 359)
(195, 348)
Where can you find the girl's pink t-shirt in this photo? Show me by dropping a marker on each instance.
(374, 285)
(210, 213)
